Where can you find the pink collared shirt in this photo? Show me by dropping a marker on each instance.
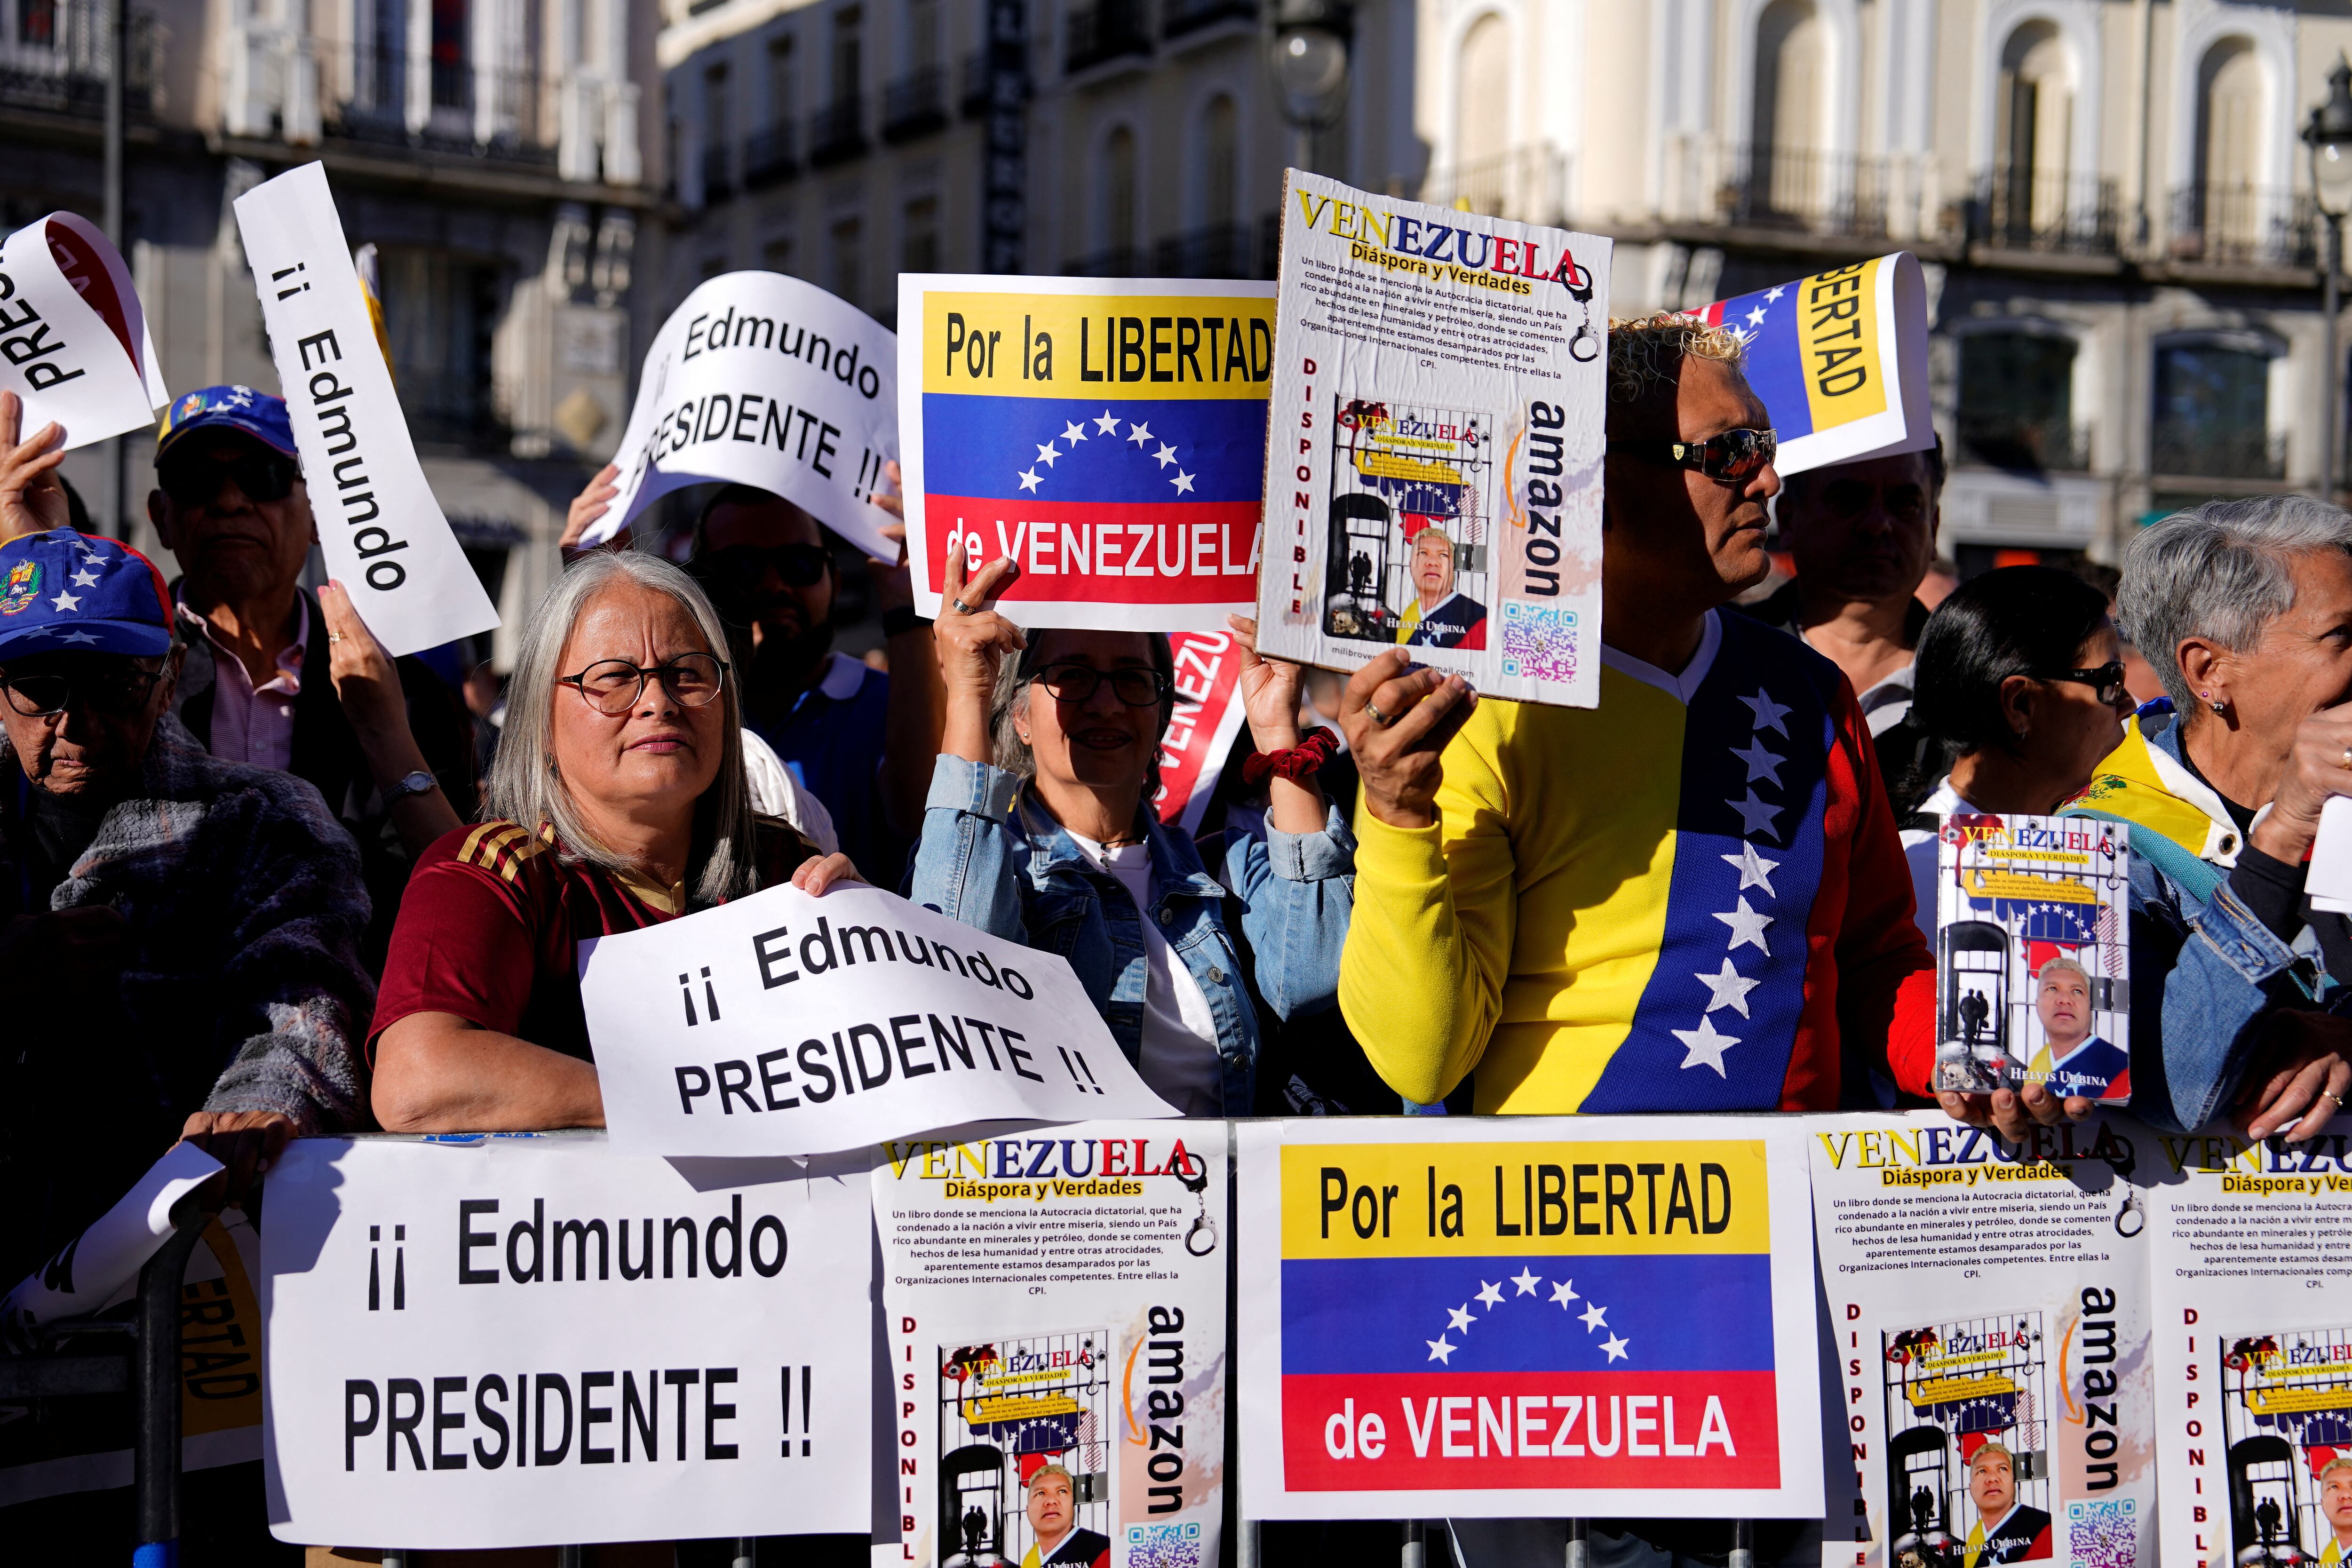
(252, 724)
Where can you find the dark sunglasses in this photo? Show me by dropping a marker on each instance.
(798, 565)
(613, 686)
(1733, 457)
(2106, 681)
(262, 475)
(121, 690)
(1073, 683)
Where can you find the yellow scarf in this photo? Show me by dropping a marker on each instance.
(2129, 788)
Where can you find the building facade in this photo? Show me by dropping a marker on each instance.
(494, 152)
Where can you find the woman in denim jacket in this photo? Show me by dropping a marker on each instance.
(2245, 607)
(1039, 829)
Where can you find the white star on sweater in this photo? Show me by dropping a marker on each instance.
(1755, 871)
(1728, 988)
(1706, 1045)
(1767, 713)
(1756, 815)
(1747, 927)
(1762, 763)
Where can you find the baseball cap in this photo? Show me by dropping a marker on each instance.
(238, 408)
(62, 590)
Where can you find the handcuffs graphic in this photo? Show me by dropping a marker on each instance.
(1204, 1229)
(1583, 346)
(2132, 1211)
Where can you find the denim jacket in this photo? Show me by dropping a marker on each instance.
(992, 858)
(2205, 970)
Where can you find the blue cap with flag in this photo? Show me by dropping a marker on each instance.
(240, 408)
(62, 590)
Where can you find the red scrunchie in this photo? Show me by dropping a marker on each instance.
(1301, 761)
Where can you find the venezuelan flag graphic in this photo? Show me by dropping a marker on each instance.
(1530, 1316)
(1839, 360)
(1113, 445)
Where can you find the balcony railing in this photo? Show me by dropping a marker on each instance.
(2203, 452)
(1527, 184)
(2010, 440)
(1799, 188)
(393, 97)
(914, 105)
(1105, 31)
(450, 409)
(1178, 17)
(770, 157)
(2244, 226)
(1215, 250)
(59, 60)
(717, 178)
(2047, 210)
(838, 131)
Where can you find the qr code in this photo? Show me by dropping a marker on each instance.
(1540, 641)
(1163, 1545)
(2103, 1534)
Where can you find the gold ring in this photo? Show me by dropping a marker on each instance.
(338, 636)
(2337, 1098)
(2345, 760)
(1382, 719)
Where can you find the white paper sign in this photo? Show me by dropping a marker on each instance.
(765, 380)
(1059, 1296)
(87, 1273)
(531, 1340)
(383, 533)
(783, 1023)
(73, 339)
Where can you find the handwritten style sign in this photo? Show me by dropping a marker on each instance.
(521, 1339)
(765, 380)
(1841, 361)
(783, 1023)
(1107, 435)
(383, 533)
(1532, 1317)
(74, 342)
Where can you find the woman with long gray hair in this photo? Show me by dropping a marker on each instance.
(2245, 607)
(617, 801)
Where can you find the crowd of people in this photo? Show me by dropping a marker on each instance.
(300, 887)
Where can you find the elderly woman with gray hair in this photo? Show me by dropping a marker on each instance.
(1041, 828)
(2245, 607)
(617, 800)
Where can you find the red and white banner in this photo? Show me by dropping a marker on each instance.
(1208, 716)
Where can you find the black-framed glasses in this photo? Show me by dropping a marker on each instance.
(2106, 681)
(797, 565)
(1733, 457)
(262, 473)
(1075, 683)
(613, 686)
(122, 690)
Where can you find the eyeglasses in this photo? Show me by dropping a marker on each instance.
(1075, 683)
(798, 565)
(2106, 681)
(1733, 457)
(262, 475)
(613, 686)
(122, 690)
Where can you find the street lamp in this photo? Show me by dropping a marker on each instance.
(2329, 136)
(1307, 49)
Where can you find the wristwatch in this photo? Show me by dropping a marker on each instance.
(418, 783)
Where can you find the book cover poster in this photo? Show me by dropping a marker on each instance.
(2032, 980)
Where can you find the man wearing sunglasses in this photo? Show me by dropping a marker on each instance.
(278, 676)
(1864, 534)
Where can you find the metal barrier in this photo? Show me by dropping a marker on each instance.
(148, 1369)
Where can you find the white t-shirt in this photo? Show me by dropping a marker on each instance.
(1919, 849)
(1179, 1059)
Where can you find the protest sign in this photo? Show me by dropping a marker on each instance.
(1153, 393)
(1199, 736)
(2033, 967)
(74, 342)
(2252, 1268)
(383, 533)
(765, 380)
(798, 1024)
(1436, 477)
(1839, 359)
(93, 1268)
(1406, 1357)
(1057, 1299)
(1990, 1311)
(78, 1443)
(521, 1341)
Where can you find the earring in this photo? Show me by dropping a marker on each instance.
(2216, 707)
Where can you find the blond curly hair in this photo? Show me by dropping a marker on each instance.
(1646, 352)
